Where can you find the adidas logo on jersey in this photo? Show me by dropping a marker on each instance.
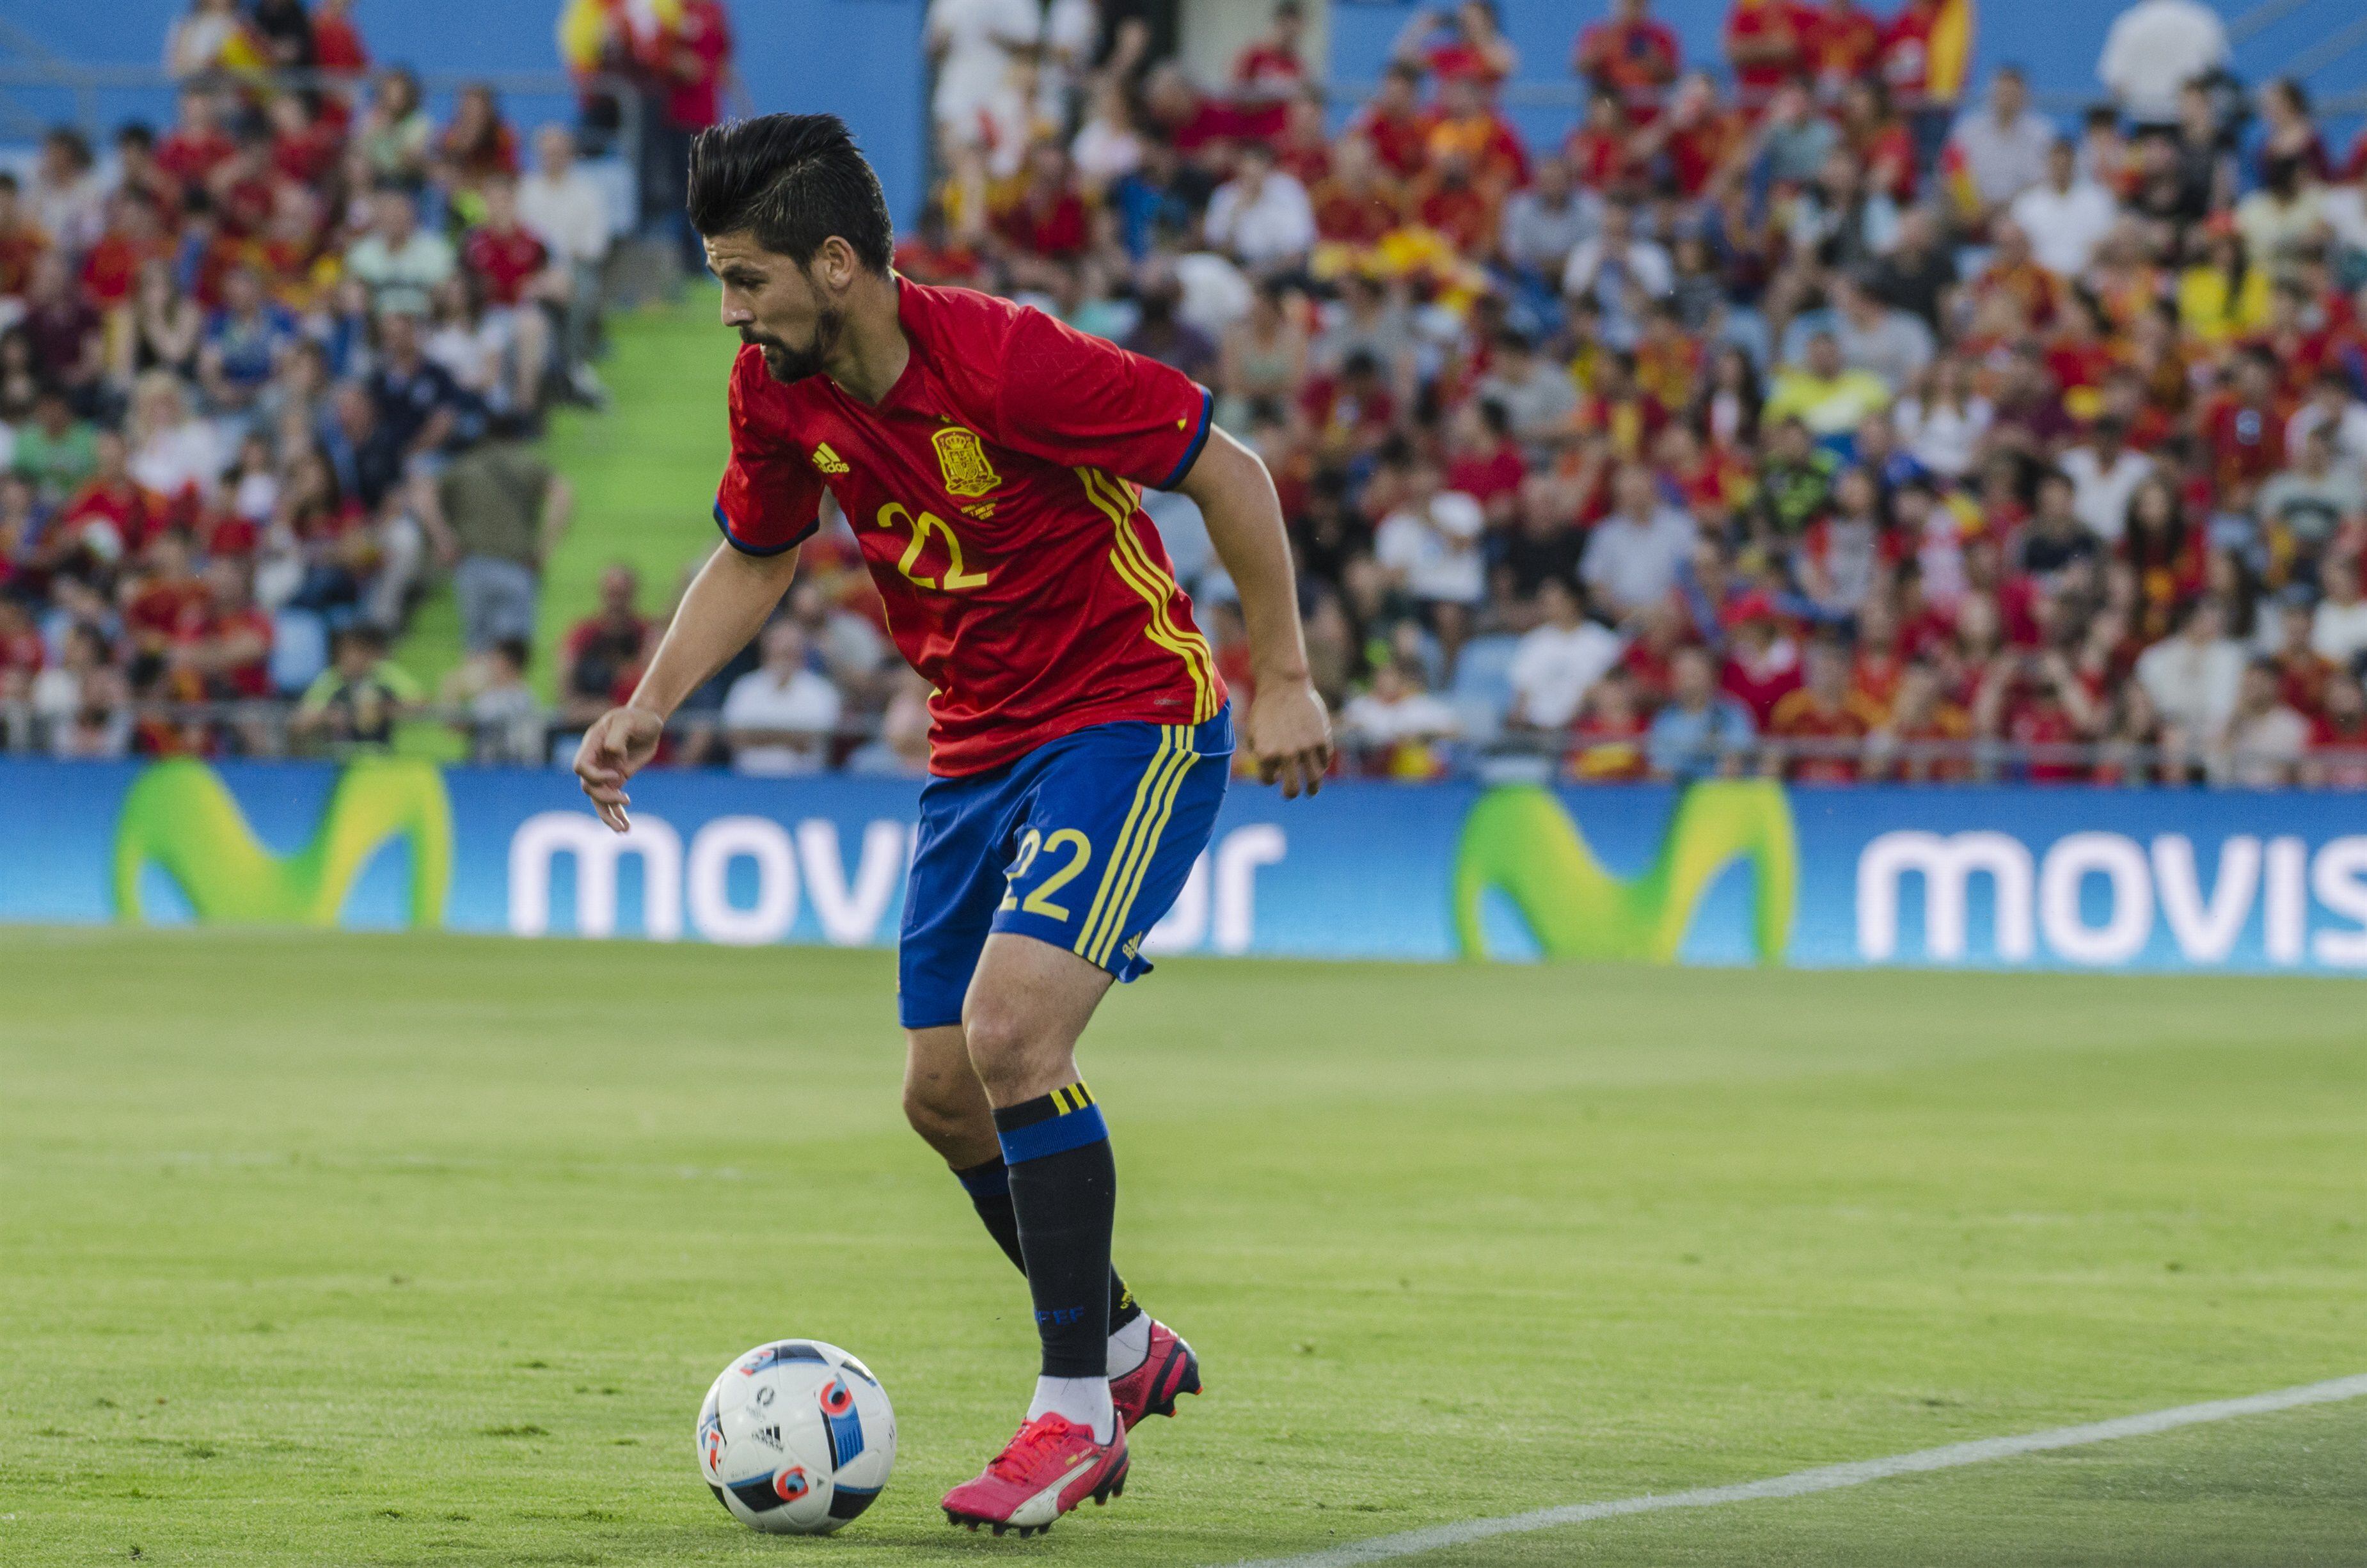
(827, 461)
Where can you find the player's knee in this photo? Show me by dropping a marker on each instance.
(1005, 1044)
(941, 1118)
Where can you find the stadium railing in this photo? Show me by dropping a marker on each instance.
(269, 728)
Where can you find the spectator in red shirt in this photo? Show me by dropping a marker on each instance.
(477, 145)
(1349, 412)
(512, 267)
(1464, 44)
(2037, 700)
(1457, 206)
(1602, 153)
(337, 43)
(1767, 44)
(1485, 463)
(304, 146)
(2245, 426)
(1468, 126)
(1268, 72)
(1609, 734)
(1632, 54)
(197, 144)
(699, 64)
(1358, 203)
(1843, 43)
(2338, 739)
(224, 638)
(600, 659)
(1762, 665)
(1046, 226)
(110, 503)
(1819, 714)
(1393, 123)
(62, 329)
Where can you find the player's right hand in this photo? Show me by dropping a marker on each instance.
(617, 745)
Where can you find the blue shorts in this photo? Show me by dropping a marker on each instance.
(1083, 843)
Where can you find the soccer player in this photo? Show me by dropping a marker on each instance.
(991, 462)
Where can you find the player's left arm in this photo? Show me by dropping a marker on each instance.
(1288, 731)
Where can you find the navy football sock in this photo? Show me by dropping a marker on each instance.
(1064, 1195)
(988, 1186)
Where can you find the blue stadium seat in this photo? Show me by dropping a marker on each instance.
(299, 648)
(1483, 685)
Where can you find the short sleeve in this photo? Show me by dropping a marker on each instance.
(770, 499)
(1086, 402)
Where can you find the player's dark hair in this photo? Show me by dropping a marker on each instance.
(793, 180)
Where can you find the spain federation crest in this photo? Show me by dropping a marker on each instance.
(961, 457)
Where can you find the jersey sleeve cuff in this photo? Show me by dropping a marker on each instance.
(1192, 452)
(744, 548)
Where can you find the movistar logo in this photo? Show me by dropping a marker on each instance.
(1520, 841)
(179, 817)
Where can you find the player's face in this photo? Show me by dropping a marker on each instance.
(775, 304)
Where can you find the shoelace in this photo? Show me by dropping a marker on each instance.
(1031, 1443)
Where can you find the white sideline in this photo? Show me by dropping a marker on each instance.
(1828, 1479)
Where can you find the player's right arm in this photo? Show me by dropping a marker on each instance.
(768, 506)
(727, 604)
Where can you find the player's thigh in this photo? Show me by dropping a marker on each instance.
(955, 881)
(1113, 825)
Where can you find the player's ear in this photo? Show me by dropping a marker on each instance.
(836, 265)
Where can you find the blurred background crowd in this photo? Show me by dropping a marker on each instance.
(1807, 410)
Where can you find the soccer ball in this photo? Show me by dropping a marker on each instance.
(796, 1438)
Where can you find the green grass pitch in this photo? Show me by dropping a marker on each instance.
(352, 1250)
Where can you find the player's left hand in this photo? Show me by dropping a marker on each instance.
(1290, 735)
(615, 748)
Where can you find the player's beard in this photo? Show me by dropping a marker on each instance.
(786, 364)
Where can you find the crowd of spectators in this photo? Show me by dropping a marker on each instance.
(1784, 415)
(260, 372)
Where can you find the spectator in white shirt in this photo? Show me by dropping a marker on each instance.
(779, 716)
(2338, 631)
(2192, 677)
(1262, 215)
(1605, 265)
(1544, 223)
(398, 261)
(2104, 473)
(2265, 740)
(1431, 542)
(2331, 406)
(1873, 336)
(1399, 720)
(1943, 426)
(1633, 555)
(1558, 661)
(2004, 143)
(974, 43)
(2155, 47)
(2066, 216)
(568, 212)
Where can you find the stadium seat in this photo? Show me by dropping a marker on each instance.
(299, 648)
(1483, 685)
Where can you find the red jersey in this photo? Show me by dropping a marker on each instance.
(702, 54)
(996, 494)
(507, 259)
(1636, 59)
